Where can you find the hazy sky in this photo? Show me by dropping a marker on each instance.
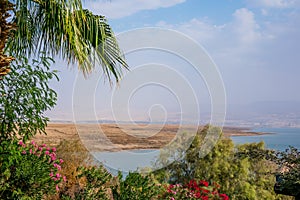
(255, 45)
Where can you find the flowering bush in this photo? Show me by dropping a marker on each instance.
(29, 171)
(193, 190)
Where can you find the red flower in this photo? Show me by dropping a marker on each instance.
(195, 190)
(203, 183)
(224, 196)
(192, 184)
(197, 195)
(205, 191)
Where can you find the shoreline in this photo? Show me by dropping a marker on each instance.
(113, 137)
(239, 131)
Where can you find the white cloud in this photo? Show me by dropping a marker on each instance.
(200, 30)
(272, 3)
(252, 53)
(264, 12)
(122, 8)
(242, 30)
(246, 26)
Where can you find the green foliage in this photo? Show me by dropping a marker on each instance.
(96, 183)
(135, 187)
(24, 97)
(289, 177)
(64, 28)
(241, 173)
(28, 171)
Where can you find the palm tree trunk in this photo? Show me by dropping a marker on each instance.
(5, 31)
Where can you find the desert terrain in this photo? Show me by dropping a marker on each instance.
(113, 137)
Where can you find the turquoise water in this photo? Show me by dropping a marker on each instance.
(126, 161)
(281, 138)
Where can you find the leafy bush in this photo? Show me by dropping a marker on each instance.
(24, 97)
(135, 187)
(28, 171)
(96, 183)
(289, 176)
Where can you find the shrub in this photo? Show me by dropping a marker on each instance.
(135, 187)
(288, 180)
(97, 181)
(28, 171)
(74, 154)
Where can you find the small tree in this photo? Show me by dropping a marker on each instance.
(288, 180)
(24, 97)
(243, 172)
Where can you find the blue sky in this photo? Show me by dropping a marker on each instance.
(254, 43)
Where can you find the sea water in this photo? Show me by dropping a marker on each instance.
(125, 161)
(279, 139)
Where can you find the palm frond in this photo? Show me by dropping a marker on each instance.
(61, 27)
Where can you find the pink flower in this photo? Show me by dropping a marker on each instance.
(51, 174)
(172, 198)
(30, 151)
(21, 143)
(40, 148)
(61, 161)
(53, 156)
(54, 149)
(43, 145)
(64, 178)
(57, 166)
(58, 175)
(48, 148)
(57, 188)
(24, 152)
(32, 142)
(47, 152)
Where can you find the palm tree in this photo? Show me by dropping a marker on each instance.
(64, 28)
(5, 31)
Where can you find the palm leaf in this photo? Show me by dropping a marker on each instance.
(63, 28)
